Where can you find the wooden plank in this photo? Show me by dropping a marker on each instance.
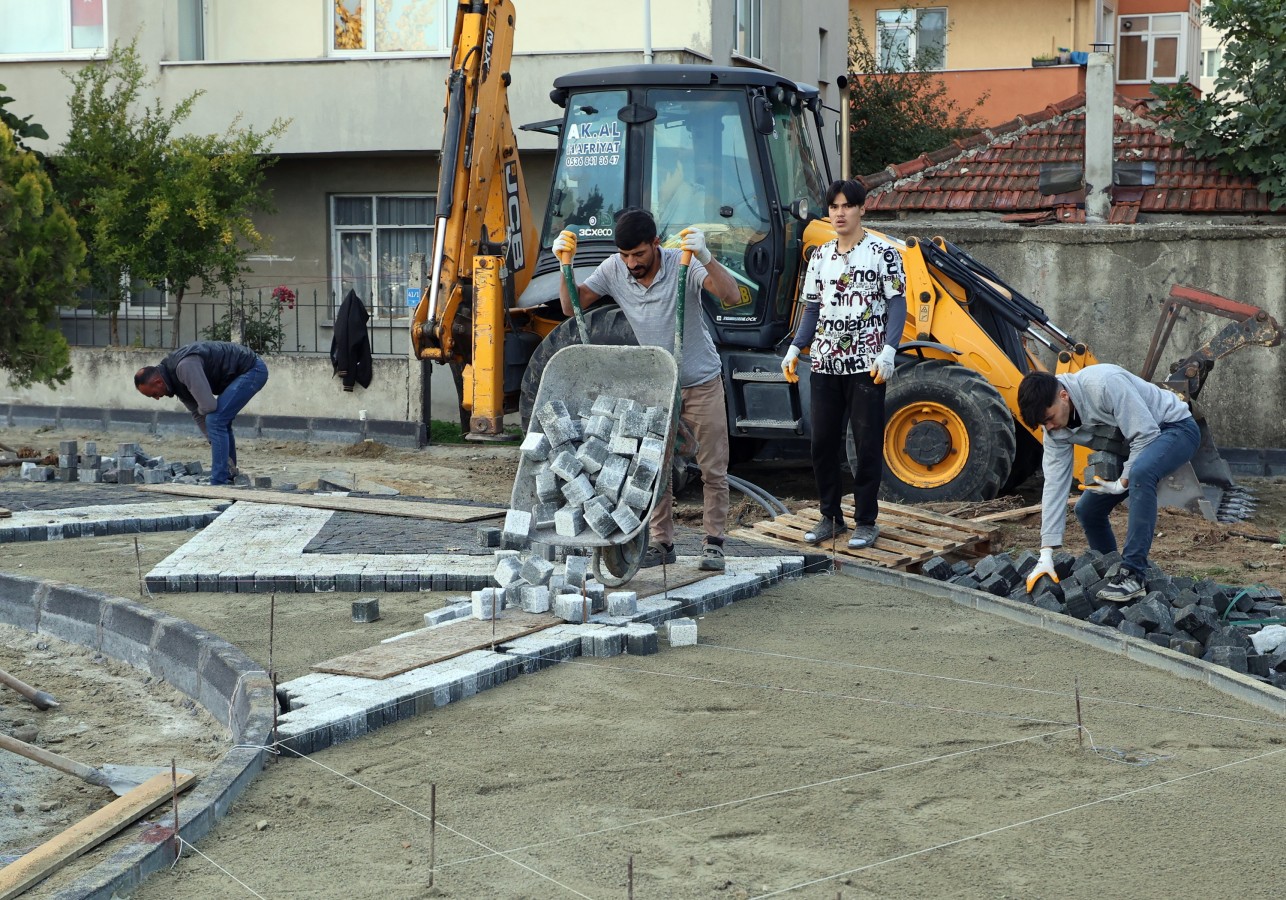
(437, 511)
(88, 833)
(1008, 514)
(427, 647)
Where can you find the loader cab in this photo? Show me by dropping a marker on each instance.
(728, 150)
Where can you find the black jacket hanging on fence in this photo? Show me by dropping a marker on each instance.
(350, 347)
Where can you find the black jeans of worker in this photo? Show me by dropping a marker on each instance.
(834, 402)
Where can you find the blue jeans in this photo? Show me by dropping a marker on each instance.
(218, 424)
(1176, 445)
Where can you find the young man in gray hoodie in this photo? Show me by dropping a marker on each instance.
(1162, 436)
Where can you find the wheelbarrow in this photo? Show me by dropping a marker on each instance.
(649, 376)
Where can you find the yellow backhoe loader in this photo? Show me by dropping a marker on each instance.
(740, 153)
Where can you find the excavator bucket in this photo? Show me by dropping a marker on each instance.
(1206, 484)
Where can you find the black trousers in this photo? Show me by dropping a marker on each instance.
(835, 401)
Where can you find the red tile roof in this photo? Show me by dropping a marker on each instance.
(998, 170)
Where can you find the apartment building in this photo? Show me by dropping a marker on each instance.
(362, 83)
(1025, 55)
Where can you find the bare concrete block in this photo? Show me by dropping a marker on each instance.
(578, 491)
(535, 446)
(682, 632)
(604, 405)
(575, 569)
(566, 466)
(622, 603)
(487, 603)
(535, 598)
(569, 521)
(542, 514)
(536, 570)
(508, 570)
(366, 609)
(591, 454)
(625, 518)
(547, 486)
(517, 524)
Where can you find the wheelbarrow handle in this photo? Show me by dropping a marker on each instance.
(569, 276)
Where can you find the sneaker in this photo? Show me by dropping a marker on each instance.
(655, 556)
(1124, 586)
(863, 536)
(711, 558)
(825, 530)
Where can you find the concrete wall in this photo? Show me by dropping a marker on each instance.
(1105, 286)
(300, 386)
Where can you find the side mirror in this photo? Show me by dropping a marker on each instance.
(799, 209)
(762, 113)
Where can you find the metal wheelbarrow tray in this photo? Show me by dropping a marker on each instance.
(579, 373)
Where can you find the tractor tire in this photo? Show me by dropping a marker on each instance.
(948, 435)
(607, 326)
(1027, 459)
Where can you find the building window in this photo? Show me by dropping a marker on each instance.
(749, 29)
(913, 39)
(191, 21)
(51, 27)
(364, 27)
(1150, 48)
(136, 295)
(1211, 60)
(373, 238)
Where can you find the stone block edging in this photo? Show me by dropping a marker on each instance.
(209, 670)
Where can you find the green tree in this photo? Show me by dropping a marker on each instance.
(899, 108)
(1241, 124)
(155, 205)
(41, 257)
(22, 129)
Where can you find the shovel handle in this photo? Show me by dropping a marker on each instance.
(569, 276)
(53, 760)
(40, 698)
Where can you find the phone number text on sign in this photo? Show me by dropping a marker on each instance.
(605, 160)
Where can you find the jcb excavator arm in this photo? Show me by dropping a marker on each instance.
(484, 239)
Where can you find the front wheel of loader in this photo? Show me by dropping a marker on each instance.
(948, 435)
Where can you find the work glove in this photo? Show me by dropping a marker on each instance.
(882, 371)
(788, 363)
(694, 241)
(1120, 486)
(565, 247)
(1044, 568)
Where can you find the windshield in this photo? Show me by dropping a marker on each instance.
(702, 172)
(795, 159)
(589, 181)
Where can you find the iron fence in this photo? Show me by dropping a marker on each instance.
(278, 320)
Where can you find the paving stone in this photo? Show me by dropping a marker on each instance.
(1108, 616)
(622, 603)
(570, 607)
(1130, 628)
(1232, 657)
(641, 639)
(682, 632)
(535, 446)
(1152, 612)
(366, 609)
(487, 603)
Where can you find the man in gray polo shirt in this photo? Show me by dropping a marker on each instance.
(643, 279)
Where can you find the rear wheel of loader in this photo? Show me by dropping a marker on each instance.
(948, 435)
(607, 326)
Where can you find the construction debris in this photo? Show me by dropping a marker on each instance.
(130, 465)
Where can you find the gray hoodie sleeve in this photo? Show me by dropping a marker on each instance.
(1057, 463)
(1133, 416)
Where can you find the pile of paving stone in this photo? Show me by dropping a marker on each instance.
(130, 465)
(596, 469)
(1202, 618)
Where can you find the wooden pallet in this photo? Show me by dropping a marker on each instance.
(908, 536)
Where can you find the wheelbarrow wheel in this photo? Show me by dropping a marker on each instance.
(617, 564)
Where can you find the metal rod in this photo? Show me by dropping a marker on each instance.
(174, 800)
(433, 829)
(629, 878)
(1080, 728)
(138, 562)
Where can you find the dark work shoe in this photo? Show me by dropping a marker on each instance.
(711, 558)
(1124, 586)
(863, 536)
(655, 555)
(825, 530)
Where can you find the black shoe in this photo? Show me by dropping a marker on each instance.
(711, 558)
(863, 536)
(825, 530)
(654, 556)
(1124, 587)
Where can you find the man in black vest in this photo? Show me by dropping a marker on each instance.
(215, 380)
